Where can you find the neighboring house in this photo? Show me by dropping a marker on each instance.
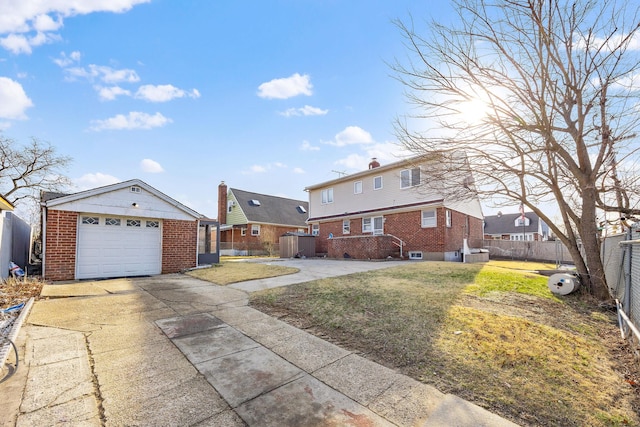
(515, 227)
(124, 229)
(254, 222)
(370, 214)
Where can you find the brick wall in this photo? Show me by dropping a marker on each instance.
(60, 255)
(362, 247)
(179, 245)
(408, 227)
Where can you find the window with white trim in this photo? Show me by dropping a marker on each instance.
(357, 187)
(92, 220)
(327, 196)
(243, 231)
(133, 223)
(112, 221)
(378, 225)
(374, 224)
(153, 224)
(409, 177)
(447, 218)
(377, 183)
(366, 225)
(255, 229)
(346, 226)
(315, 229)
(429, 219)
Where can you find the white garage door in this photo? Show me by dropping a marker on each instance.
(117, 247)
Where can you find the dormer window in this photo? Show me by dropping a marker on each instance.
(520, 222)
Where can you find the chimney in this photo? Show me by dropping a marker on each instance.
(222, 203)
(499, 214)
(374, 163)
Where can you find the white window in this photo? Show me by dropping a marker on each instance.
(255, 229)
(519, 222)
(409, 177)
(327, 195)
(315, 229)
(243, 231)
(366, 225)
(378, 225)
(377, 183)
(93, 220)
(373, 225)
(136, 189)
(230, 205)
(447, 218)
(153, 224)
(346, 226)
(133, 223)
(112, 221)
(357, 187)
(429, 219)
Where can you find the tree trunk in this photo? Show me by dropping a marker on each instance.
(591, 245)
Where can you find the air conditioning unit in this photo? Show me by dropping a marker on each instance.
(415, 254)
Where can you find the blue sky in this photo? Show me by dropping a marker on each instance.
(269, 96)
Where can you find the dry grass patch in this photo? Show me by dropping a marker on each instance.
(492, 335)
(14, 291)
(239, 271)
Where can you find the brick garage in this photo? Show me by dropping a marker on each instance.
(125, 229)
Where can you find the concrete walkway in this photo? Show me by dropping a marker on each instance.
(176, 351)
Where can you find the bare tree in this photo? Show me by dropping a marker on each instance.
(27, 170)
(557, 85)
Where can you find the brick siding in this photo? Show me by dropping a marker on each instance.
(406, 226)
(179, 245)
(60, 255)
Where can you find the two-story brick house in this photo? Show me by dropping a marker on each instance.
(251, 222)
(373, 213)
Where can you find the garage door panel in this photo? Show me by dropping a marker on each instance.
(112, 251)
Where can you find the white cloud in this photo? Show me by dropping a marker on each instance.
(150, 166)
(286, 87)
(134, 120)
(385, 153)
(306, 146)
(93, 180)
(65, 60)
(307, 110)
(298, 170)
(256, 169)
(32, 23)
(103, 73)
(163, 93)
(351, 135)
(4, 125)
(13, 100)
(111, 93)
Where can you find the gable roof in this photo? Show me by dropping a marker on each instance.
(271, 209)
(56, 199)
(505, 223)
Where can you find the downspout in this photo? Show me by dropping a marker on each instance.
(198, 239)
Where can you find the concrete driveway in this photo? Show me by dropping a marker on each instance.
(177, 351)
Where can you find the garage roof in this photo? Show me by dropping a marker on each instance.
(51, 200)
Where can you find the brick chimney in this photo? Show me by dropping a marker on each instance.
(374, 163)
(222, 203)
